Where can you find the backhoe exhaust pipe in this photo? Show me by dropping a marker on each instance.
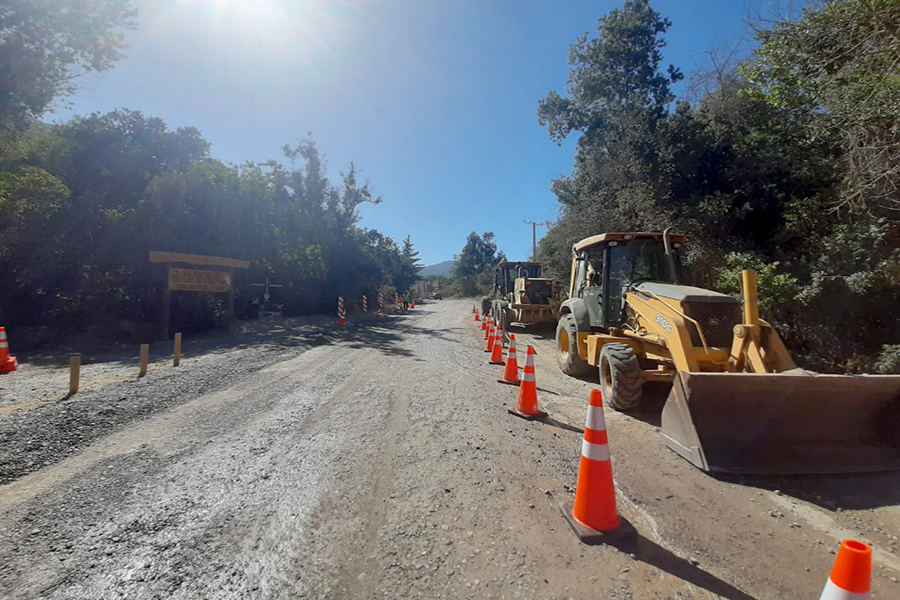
(671, 258)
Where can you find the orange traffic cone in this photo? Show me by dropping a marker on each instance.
(8, 363)
(527, 405)
(490, 339)
(487, 327)
(496, 350)
(413, 304)
(477, 318)
(474, 311)
(851, 575)
(593, 516)
(511, 373)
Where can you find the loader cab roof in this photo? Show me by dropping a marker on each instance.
(504, 265)
(596, 240)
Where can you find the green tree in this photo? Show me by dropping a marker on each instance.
(45, 45)
(836, 70)
(477, 258)
(617, 97)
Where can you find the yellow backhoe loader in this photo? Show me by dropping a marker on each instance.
(738, 402)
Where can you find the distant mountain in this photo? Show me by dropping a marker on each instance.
(441, 268)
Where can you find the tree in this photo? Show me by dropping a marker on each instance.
(409, 250)
(836, 70)
(617, 97)
(478, 257)
(112, 187)
(45, 45)
(612, 76)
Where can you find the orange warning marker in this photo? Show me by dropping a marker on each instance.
(593, 516)
(473, 310)
(496, 350)
(8, 363)
(527, 404)
(477, 318)
(511, 372)
(851, 575)
(487, 327)
(491, 339)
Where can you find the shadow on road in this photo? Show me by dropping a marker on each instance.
(554, 423)
(831, 492)
(655, 555)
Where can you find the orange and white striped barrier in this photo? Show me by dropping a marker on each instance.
(8, 363)
(365, 304)
(342, 315)
(593, 516)
(527, 403)
(511, 372)
(484, 323)
(851, 575)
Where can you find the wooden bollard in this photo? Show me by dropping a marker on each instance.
(74, 372)
(177, 360)
(145, 358)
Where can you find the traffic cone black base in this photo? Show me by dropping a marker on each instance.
(540, 414)
(591, 537)
(515, 383)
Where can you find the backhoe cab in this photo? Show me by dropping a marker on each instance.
(738, 402)
(521, 296)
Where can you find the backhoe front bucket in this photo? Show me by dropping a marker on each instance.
(785, 423)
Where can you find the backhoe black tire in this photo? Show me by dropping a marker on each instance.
(620, 376)
(567, 355)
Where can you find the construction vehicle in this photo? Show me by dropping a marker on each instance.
(738, 403)
(521, 296)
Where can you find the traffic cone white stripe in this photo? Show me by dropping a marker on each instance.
(4, 344)
(833, 592)
(526, 376)
(595, 419)
(598, 452)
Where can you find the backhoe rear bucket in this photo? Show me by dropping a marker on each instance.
(785, 423)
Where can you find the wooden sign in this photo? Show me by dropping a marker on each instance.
(198, 280)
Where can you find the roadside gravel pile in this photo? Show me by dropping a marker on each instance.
(41, 435)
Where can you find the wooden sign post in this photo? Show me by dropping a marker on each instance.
(218, 278)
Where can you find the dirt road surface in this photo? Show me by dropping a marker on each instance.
(378, 461)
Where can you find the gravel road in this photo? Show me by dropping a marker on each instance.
(299, 460)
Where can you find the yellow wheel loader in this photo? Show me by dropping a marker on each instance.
(738, 403)
(521, 296)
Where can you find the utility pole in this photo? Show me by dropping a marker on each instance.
(534, 227)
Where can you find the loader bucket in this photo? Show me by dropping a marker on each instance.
(785, 423)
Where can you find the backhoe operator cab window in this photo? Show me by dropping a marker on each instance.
(632, 262)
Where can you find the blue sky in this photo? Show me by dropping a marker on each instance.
(435, 101)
